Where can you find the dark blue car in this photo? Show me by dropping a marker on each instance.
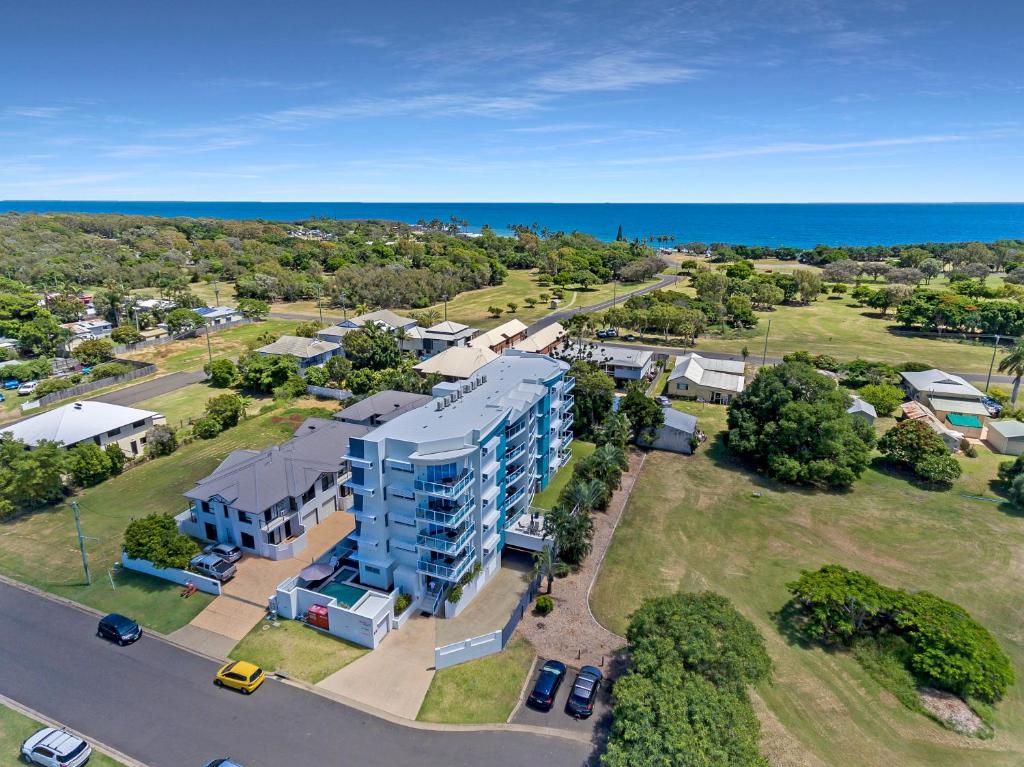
(584, 692)
(118, 628)
(544, 690)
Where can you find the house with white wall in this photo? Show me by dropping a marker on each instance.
(705, 378)
(89, 421)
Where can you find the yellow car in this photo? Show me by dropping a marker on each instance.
(240, 675)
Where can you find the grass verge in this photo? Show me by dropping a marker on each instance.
(295, 649)
(15, 728)
(481, 691)
(547, 498)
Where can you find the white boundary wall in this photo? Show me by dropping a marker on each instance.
(468, 649)
(209, 585)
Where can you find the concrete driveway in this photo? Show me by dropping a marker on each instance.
(243, 602)
(596, 726)
(394, 677)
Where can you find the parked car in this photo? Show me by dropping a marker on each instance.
(11, 383)
(602, 334)
(52, 747)
(28, 387)
(664, 401)
(240, 675)
(629, 337)
(212, 566)
(222, 763)
(229, 552)
(546, 687)
(611, 333)
(118, 628)
(584, 692)
(992, 406)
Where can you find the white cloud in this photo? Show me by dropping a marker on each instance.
(614, 72)
(35, 112)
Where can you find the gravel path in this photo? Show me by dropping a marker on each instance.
(571, 633)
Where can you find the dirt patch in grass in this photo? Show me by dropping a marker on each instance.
(951, 711)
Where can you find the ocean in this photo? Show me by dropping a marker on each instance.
(792, 225)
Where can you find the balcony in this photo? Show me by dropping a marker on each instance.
(567, 420)
(356, 487)
(568, 385)
(447, 568)
(567, 401)
(567, 438)
(448, 488)
(359, 463)
(564, 456)
(446, 543)
(513, 498)
(449, 516)
(515, 431)
(514, 476)
(515, 452)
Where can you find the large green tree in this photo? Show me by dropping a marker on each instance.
(645, 415)
(594, 393)
(372, 347)
(30, 478)
(791, 423)
(156, 538)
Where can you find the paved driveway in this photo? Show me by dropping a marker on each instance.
(394, 677)
(243, 602)
(129, 395)
(156, 703)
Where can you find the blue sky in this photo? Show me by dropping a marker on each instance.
(732, 101)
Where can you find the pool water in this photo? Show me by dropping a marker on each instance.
(346, 594)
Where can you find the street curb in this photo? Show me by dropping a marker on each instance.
(522, 692)
(31, 713)
(343, 700)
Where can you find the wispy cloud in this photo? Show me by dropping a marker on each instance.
(852, 40)
(854, 98)
(555, 128)
(141, 151)
(36, 112)
(613, 72)
(248, 83)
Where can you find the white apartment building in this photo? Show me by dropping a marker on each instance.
(435, 488)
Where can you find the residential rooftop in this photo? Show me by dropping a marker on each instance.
(298, 346)
(76, 421)
(498, 335)
(541, 339)
(620, 356)
(382, 407)
(456, 362)
(385, 316)
(937, 381)
(706, 371)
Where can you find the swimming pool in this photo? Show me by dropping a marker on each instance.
(346, 593)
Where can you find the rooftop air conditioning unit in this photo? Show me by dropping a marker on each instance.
(440, 405)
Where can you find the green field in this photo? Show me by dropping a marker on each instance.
(297, 650)
(481, 691)
(546, 499)
(190, 402)
(41, 548)
(191, 353)
(15, 728)
(695, 523)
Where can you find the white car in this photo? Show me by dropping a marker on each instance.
(51, 747)
(28, 387)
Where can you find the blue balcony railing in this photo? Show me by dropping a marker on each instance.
(513, 498)
(448, 489)
(515, 452)
(567, 387)
(447, 568)
(567, 438)
(445, 544)
(515, 431)
(515, 476)
(567, 401)
(449, 517)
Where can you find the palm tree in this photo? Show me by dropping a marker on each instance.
(584, 494)
(611, 462)
(548, 566)
(1013, 363)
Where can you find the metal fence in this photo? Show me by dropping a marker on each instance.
(328, 393)
(520, 610)
(170, 338)
(142, 369)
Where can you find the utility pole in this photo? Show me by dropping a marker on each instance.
(216, 293)
(319, 305)
(81, 542)
(445, 299)
(615, 291)
(764, 354)
(991, 364)
(209, 348)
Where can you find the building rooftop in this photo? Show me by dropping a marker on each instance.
(541, 339)
(212, 312)
(382, 316)
(936, 381)
(75, 422)
(679, 420)
(620, 356)
(713, 373)
(298, 346)
(1009, 428)
(253, 481)
(507, 384)
(442, 331)
(456, 362)
(498, 335)
(382, 407)
(862, 406)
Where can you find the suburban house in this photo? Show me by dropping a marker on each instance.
(333, 334)
(620, 362)
(915, 411)
(863, 409)
(89, 421)
(384, 318)
(457, 363)
(265, 500)
(500, 338)
(84, 330)
(1006, 437)
(218, 315)
(711, 380)
(542, 341)
(154, 305)
(381, 407)
(437, 487)
(678, 434)
(426, 342)
(949, 397)
(307, 351)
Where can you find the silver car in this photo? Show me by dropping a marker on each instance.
(212, 566)
(229, 552)
(52, 747)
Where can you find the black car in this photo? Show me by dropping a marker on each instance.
(584, 692)
(118, 628)
(544, 690)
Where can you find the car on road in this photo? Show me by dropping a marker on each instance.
(542, 697)
(222, 763)
(118, 628)
(611, 333)
(240, 675)
(53, 747)
(584, 692)
(664, 401)
(229, 552)
(602, 334)
(212, 566)
(28, 387)
(629, 337)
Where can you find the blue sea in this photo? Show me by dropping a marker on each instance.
(803, 225)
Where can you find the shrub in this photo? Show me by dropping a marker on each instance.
(229, 409)
(294, 386)
(125, 334)
(316, 376)
(884, 397)
(116, 457)
(109, 370)
(88, 464)
(544, 604)
(94, 351)
(222, 373)
(909, 442)
(161, 440)
(940, 469)
(455, 594)
(156, 538)
(51, 385)
(308, 329)
(207, 427)
(402, 602)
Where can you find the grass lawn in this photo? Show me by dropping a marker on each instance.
(190, 402)
(41, 548)
(547, 498)
(10, 408)
(481, 691)
(191, 353)
(15, 728)
(294, 648)
(695, 523)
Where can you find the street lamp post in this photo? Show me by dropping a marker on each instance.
(445, 299)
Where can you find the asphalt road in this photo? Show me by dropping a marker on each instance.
(129, 395)
(156, 703)
(664, 282)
